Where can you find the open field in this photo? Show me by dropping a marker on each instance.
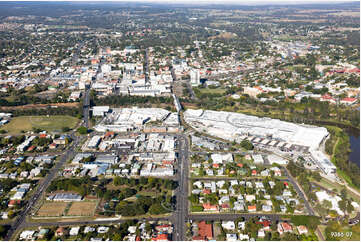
(82, 208)
(52, 209)
(212, 91)
(48, 123)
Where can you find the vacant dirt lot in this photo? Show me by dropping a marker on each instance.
(82, 209)
(52, 209)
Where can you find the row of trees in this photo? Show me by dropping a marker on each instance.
(21, 99)
(75, 112)
(83, 186)
(150, 182)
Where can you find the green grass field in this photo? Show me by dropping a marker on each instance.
(48, 123)
(212, 91)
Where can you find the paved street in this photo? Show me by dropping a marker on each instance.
(182, 191)
(146, 67)
(229, 216)
(300, 192)
(86, 106)
(90, 222)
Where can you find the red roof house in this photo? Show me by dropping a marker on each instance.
(163, 237)
(206, 191)
(349, 100)
(327, 98)
(42, 135)
(205, 230)
(252, 208)
(209, 207)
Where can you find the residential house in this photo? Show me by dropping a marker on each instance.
(261, 233)
(60, 231)
(229, 225)
(74, 231)
(284, 227)
(302, 229)
(243, 237)
(205, 231)
(207, 207)
(252, 208)
(231, 237)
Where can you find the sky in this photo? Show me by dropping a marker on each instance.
(243, 2)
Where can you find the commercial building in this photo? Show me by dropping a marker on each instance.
(237, 126)
(94, 142)
(108, 159)
(195, 77)
(323, 162)
(100, 110)
(127, 119)
(65, 197)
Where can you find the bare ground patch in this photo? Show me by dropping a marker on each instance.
(82, 208)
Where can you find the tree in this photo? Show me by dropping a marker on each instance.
(157, 208)
(349, 207)
(65, 129)
(2, 230)
(247, 145)
(117, 237)
(118, 181)
(344, 193)
(316, 175)
(193, 198)
(309, 221)
(342, 204)
(11, 214)
(82, 130)
(148, 227)
(327, 204)
(290, 237)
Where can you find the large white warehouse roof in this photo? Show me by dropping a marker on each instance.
(230, 126)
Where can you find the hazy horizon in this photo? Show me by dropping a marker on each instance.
(237, 2)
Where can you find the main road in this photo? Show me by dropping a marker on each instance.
(181, 213)
(92, 222)
(146, 66)
(233, 216)
(86, 106)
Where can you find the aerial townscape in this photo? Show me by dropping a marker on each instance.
(180, 120)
